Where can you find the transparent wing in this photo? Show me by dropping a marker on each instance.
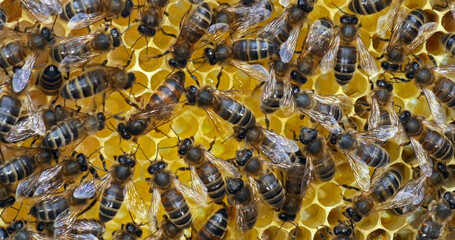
(222, 164)
(425, 32)
(437, 111)
(375, 180)
(154, 207)
(255, 71)
(307, 177)
(381, 133)
(328, 61)
(135, 203)
(249, 16)
(160, 115)
(217, 123)
(43, 9)
(273, 27)
(385, 21)
(215, 32)
(367, 62)
(359, 169)
(397, 26)
(65, 220)
(337, 100)
(26, 187)
(326, 121)
(425, 163)
(191, 193)
(284, 3)
(73, 61)
(280, 142)
(90, 189)
(254, 186)
(287, 101)
(82, 20)
(411, 194)
(270, 87)
(22, 76)
(244, 213)
(47, 181)
(27, 127)
(317, 39)
(400, 136)
(274, 155)
(196, 183)
(287, 49)
(282, 166)
(375, 114)
(445, 70)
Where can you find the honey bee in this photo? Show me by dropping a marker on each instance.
(161, 108)
(327, 110)
(170, 191)
(167, 231)
(152, 17)
(427, 140)
(316, 45)
(20, 229)
(50, 80)
(130, 231)
(116, 187)
(84, 228)
(362, 152)
(318, 155)
(346, 50)
(246, 205)
(76, 51)
(261, 177)
(283, 31)
(80, 14)
(219, 104)
(215, 227)
(409, 32)
(42, 10)
(343, 231)
(274, 146)
(205, 169)
(371, 6)
(11, 108)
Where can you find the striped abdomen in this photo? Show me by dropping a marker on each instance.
(215, 227)
(448, 41)
(373, 155)
(430, 230)
(253, 49)
(111, 201)
(234, 112)
(196, 24)
(324, 166)
(17, 169)
(10, 108)
(388, 185)
(271, 189)
(47, 211)
(328, 110)
(213, 181)
(367, 7)
(436, 145)
(63, 50)
(272, 103)
(50, 80)
(85, 85)
(62, 134)
(12, 54)
(88, 226)
(411, 24)
(169, 92)
(176, 208)
(345, 64)
(74, 7)
(444, 89)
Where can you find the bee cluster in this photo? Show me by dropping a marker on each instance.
(253, 119)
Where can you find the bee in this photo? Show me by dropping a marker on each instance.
(170, 191)
(151, 17)
(246, 205)
(130, 231)
(80, 13)
(160, 108)
(215, 227)
(76, 51)
(274, 146)
(220, 104)
(11, 108)
(20, 229)
(283, 31)
(73, 130)
(346, 50)
(327, 110)
(205, 169)
(371, 6)
(50, 80)
(341, 231)
(87, 228)
(261, 177)
(3, 17)
(116, 187)
(167, 231)
(409, 32)
(42, 10)
(427, 140)
(316, 45)
(362, 152)
(318, 154)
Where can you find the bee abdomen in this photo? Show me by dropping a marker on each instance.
(437, 145)
(329, 110)
(388, 185)
(48, 211)
(272, 103)
(74, 7)
(272, 190)
(448, 41)
(85, 85)
(216, 226)
(213, 181)
(444, 90)
(10, 108)
(235, 113)
(367, 7)
(253, 49)
(197, 24)
(176, 208)
(324, 167)
(12, 54)
(345, 64)
(111, 201)
(59, 52)
(62, 134)
(17, 169)
(429, 230)
(170, 91)
(411, 24)
(373, 155)
(50, 80)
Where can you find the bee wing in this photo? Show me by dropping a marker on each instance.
(445, 70)
(359, 169)
(26, 186)
(282, 166)
(400, 136)
(375, 114)
(377, 175)
(437, 111)
(287, 101)
(315, 38)
(47, 183)
(412, 194)
(307, 177)
(385, 21)
(72, 62)
(81, 20)
(80, 236)
(381, 133)
(255, 71)
(43, 9)
(367, 62)
(189, 192)
(244, 212)
(397, 22)
(196, 183)
(326, 121)
(154, 207)
(65, 220)
(217, 123)
(280, 143)
(287, 49)
(250, 16)
(22, 76)
(270, 86)
(425, 162)
(134, 202)
(337, 100)
(451, 6)
(90, 189)
(272, 27)
(284, 3)
(328, 61)
(222, 164)
(156, 116)
(215, 32)
(425, 32)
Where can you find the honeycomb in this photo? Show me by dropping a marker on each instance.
(323, 203)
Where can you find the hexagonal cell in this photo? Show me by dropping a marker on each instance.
(391, 222)
(273, 232)
(379, 234)
(369, 223)
(329, 194)
(313, 216)
(299, 233)
(334, 216)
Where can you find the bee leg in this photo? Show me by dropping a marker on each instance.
(211, 144)
(380, 57)
(440, 6)
(218, 77)
(103, 161)
(157, 130)
(346, 199)
(168, 34)
(181, 169)
(382, 39)
(267, 122)
(433, 60)
(349, 187)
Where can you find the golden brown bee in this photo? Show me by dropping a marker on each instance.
(316, 45)
(160, 108)
(215, 227)
(152, 17)
(246, 206)
(167, 231)
(129, 231)
(83, 13)
(346, 50)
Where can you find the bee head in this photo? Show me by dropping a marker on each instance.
(191, 94)
(342, 230)
(126, 160)
(411, 69)
(82, 161)
(156, 167)
(210, 56)
(384, 84)
(349, 19)
(136, 127)
(184, 146)
(307, 135)
(134, 229)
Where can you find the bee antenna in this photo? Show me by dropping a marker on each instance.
(178, 138)
(135, 42)
(137, 149)
(339, 8)
(274, 236)
(97, 150)
(142, 85)
(129, 59)
(132, 219)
